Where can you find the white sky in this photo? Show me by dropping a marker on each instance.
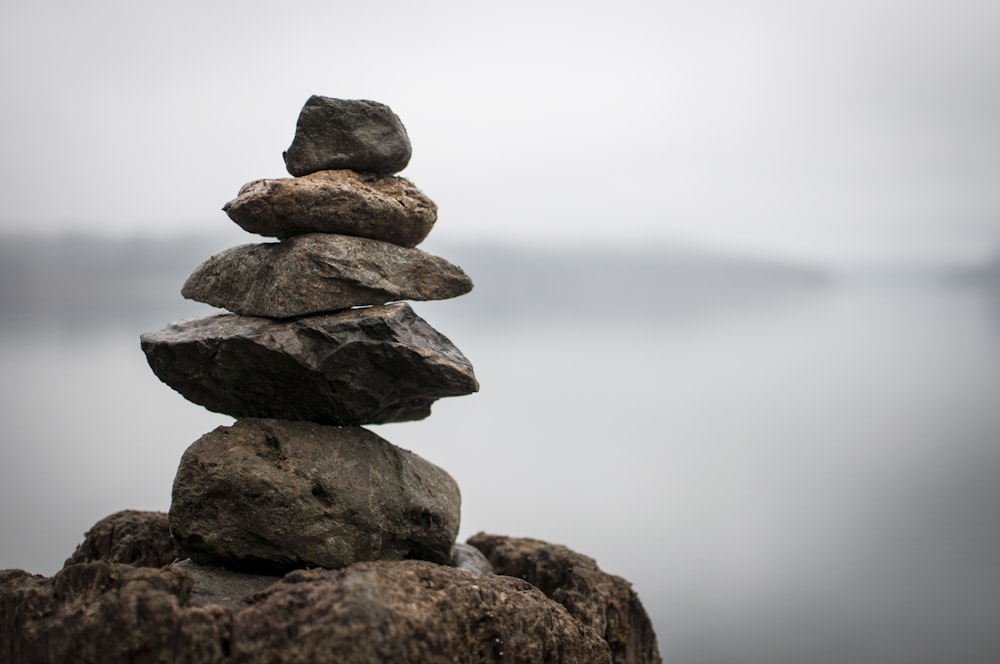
(835, 130)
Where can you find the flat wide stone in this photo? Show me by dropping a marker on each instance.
(359, 366)
(274, 495)
(380, 207)
(347, 133)
(309, 274)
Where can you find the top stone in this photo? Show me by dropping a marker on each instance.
(345, 133)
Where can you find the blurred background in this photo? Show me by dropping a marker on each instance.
(737, 305)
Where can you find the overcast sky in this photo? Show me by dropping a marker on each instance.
(835, 130)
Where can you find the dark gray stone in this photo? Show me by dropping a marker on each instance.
(131, 537)
(275, 495)
(347, 133)
(368, 613)
(597, 599)
(359, 366)
(315, 273)
(469, 558)
(380, 207)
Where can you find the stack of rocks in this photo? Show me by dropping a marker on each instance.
(318, 343)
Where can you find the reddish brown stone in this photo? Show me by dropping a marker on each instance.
(344, 202)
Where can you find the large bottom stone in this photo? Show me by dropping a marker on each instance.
(275, 495)
(359, 366)
(369, 613)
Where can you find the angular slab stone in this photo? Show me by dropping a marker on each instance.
(359, 366)
(347, 133)
(308, 274)
(379, 207)
(274, 495)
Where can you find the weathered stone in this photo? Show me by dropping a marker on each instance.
(130, 537)
(96, 613)
(316, 273)
(379, 207)
(599, 600)
(369, 613)
(274, 495)
(413, 611)
(142, 539)
(347, 133)
(359, 366)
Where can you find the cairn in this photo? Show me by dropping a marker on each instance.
(319, 341)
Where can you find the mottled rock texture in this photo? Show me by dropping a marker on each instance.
(347, 133)
(99, 612)
(345, 202)
(414, 611)
(275, 495)
(131, 537)
(315, 273)
(369, 613)
(359, 366)
(599, 600)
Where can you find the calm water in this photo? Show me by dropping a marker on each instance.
(809, 475)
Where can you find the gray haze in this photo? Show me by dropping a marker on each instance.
(791, 465)
(793, 460)
(852, 131)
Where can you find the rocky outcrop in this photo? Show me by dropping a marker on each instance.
(275, 495)
(319, 272)
(108, 613)
(378, 207)
(359, 366)
(131, 537)
(347, 133)
(368, 613)
(414, 611)
(599, 600)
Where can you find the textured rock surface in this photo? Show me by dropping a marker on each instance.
(100, 612)
(408, 611)
(414, 612)
(131, 537)
(275, 495)
(345, 202)
(599, 600)
(315, 273)
(347, 133)
(360, 366)
(211, 584)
